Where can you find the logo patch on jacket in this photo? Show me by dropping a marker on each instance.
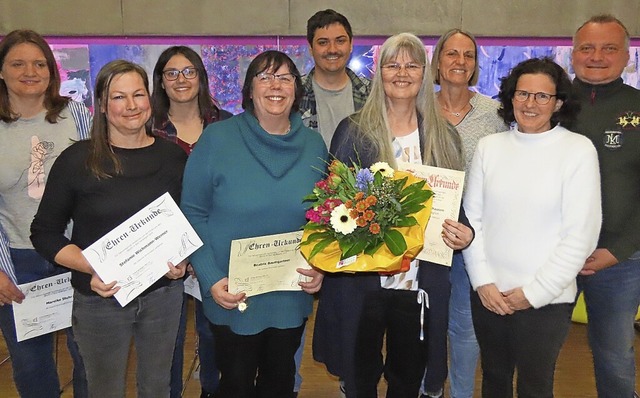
(613, 139)
(629, 120)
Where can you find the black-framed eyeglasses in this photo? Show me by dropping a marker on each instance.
(540, 97)
(173, 74)
(410, 67)
(267, 78)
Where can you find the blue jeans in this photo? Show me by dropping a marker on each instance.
(104, 331)
(463, 346)
(34, 368)
(298, 358)
(612, 297)
(209, 373)
(177, 363)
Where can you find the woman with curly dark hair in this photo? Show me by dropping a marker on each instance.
(533, 197)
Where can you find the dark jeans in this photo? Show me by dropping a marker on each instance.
(528, 341)
(435, 280)
(34, 369)
(269, 354)
(396, 313)
(209, 373)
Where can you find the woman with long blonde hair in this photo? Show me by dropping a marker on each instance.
(399, 122)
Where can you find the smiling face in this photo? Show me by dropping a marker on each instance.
(401, 84)
(457, 60)
(273, 98)
(181, 90)
(331, 48)
(600, 53)
(25, 72)
(127, 106)
(532, 117)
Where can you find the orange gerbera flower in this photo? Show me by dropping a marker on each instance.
(368, 215)
(359, 196)
(361, 206)
(361, 222)
(374, 228)
(371, 200)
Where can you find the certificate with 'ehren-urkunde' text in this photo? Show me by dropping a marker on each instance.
(447, 188)
(46, 306)
(136, 252)
(266, 263)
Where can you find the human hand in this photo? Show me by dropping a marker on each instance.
(221, 295)
(103, 289)
(177, 271)
(600, 259)
(316, 280)
(191, 271)
(493, 300)
(456, 235)
(516, 300)
(9, 292)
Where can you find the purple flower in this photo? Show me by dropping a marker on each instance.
(363, 179)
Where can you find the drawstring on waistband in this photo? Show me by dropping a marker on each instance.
(423, 299)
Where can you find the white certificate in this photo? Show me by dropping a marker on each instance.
(192, 287)
(266, 264)
(46, 306)
(447, 188)
(136, 252)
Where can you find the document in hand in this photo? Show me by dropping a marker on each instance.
(136, 252)
(46, 306)
(447, 187)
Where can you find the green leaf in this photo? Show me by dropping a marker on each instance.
(411, 209)
(372, 249)
(407, 222)
(395, 242)
(353, 248)
(416, 199)
(320, 246)
(317, 236)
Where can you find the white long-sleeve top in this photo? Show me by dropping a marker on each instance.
(534, 201)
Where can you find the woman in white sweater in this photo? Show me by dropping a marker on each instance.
(533, 197)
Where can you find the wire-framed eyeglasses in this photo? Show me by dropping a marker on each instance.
(540, 97)
(267, 78)
(173, 74)
(410, 67)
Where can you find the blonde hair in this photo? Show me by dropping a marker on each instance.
(441, 144)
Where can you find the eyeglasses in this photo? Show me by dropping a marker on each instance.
(284, 78)
(410, 67)
(540, 97)
(173, 74)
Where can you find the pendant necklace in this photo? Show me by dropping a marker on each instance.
(456, 114)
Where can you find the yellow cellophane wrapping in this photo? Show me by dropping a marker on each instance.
(382, 260)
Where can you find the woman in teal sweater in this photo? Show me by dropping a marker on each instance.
(246, 178)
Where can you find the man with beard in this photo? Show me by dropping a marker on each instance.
(610, 117)
(331, 90)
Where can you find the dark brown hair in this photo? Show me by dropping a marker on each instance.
(102, 162)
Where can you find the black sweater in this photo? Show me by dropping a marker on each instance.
(610, 118)
(99, 205)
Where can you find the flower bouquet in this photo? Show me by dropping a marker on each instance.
(365, 219)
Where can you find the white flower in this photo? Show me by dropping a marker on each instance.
(341, 221)
(383, 168)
